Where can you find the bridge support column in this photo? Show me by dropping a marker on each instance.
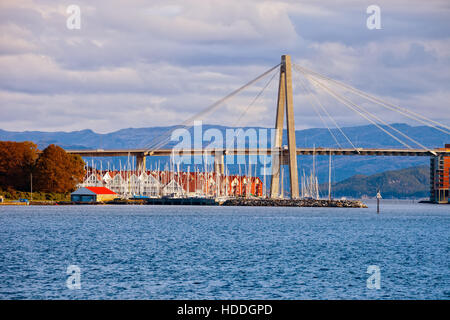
(140, 163)
(285, 100)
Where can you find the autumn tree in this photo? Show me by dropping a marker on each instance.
(57, 171)
(17, 160)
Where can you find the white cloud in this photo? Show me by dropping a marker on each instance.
(140, 63)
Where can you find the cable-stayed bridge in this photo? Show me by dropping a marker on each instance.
(249, 151)
(287, 155)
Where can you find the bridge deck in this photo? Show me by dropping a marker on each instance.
(300, 151)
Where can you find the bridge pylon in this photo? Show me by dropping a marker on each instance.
(285, 100)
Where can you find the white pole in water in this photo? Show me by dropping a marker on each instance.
(378, 201)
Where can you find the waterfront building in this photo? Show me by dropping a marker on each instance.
(440, 177)
(173, 188)
(149, 185)
(117, 183)
(93, 194)
(162, 183)
(93, 179)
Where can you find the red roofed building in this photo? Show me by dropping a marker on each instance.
(161, 183)
(93, 194)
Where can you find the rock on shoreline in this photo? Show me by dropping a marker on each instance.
(294, 203)
(254, 202)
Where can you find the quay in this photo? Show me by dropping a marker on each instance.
(13, 203)
(197, 201)
(192, 201)
(295, 203)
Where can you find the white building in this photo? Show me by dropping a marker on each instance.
(149, 186)
(126, 183)
(173, 188)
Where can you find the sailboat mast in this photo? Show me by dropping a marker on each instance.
(264, 183)
(314, 160)
(282, 182)
(329, 178)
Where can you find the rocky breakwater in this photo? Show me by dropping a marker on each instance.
(294, 203)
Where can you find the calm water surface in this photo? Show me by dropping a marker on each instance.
(164, 252)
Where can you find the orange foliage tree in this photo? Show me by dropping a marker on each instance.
(16, 164)
(58, 171)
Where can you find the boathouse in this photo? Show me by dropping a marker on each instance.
(93, 194)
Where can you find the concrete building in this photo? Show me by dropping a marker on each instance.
(440, 177)
(93, 194)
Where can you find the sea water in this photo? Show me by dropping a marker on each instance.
(189, 252)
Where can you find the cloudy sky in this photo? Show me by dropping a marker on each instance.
(151, 63)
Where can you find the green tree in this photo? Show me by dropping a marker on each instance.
(58, 171)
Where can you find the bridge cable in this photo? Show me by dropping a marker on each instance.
(385, 123)
(310, 93)
(187, 123)
(255, 99)
(260, 93)
(343, 99)
(167, 137)
(408, 113)
(330, 117)
(349, 104)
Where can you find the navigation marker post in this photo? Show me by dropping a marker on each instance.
(378, 200)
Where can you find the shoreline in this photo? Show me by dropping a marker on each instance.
(237, 202)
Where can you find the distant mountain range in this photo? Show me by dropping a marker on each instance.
(343, 166)
(405, 183)
(362, 136)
